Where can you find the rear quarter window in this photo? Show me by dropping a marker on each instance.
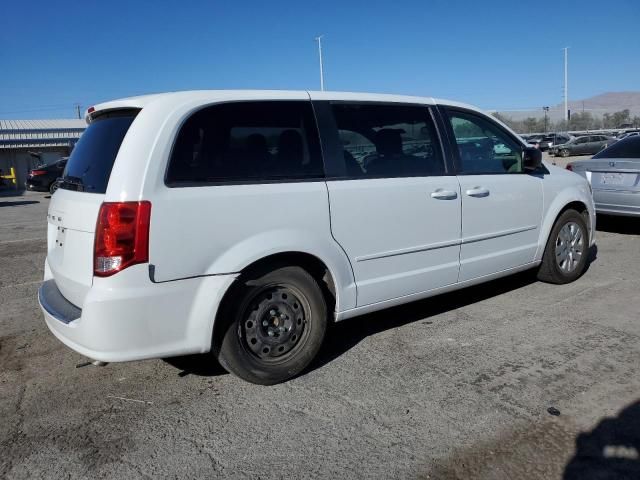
(247, 142)
(89, 166)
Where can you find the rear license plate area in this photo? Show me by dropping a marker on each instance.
(614, 179)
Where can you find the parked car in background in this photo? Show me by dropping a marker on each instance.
(548, 141)
(585, 145)
(627, 134)
(243, 222)
(614, 175)
(533, 139)
(43, 178)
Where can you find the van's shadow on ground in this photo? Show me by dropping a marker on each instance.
(610, 451)
(343, 336)
(17, 203)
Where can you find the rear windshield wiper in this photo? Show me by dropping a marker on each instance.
(72, 182)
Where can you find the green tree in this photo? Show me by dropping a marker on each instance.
(504, 119)
(530, 125)
(560, 126)
(581, 121)
(620, 118)
(616, 119)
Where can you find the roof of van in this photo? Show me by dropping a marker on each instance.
(206, 96)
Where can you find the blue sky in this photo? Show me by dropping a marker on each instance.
(495, 54)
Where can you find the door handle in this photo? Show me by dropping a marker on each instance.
(441, 194)
(478, 192)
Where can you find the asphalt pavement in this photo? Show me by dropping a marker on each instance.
(499, 381)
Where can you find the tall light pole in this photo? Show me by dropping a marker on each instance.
(566, 86)
(319, 40)
(546, 110)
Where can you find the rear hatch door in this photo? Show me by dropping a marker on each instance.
(74, 207)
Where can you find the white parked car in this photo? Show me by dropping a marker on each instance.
(241, 222)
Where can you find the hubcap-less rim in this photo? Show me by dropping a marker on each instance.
(569, 247)
(274, 323)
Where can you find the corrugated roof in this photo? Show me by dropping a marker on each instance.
(40, 133)
(42, 124)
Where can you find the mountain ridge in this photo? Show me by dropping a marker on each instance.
(597, 105)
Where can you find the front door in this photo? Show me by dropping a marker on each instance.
(501, 205)
(581, 146)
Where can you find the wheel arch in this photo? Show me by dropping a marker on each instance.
(559, 206)
(313, 264)
(317, 268)
(338, 287)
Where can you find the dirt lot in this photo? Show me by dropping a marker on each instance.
(458, 386)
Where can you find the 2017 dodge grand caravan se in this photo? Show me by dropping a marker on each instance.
(244, 222)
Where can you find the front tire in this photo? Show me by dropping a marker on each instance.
(274, 325)
(564, 153)
(565, 256)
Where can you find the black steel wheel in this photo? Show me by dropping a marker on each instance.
(274, 322)
(274, 325)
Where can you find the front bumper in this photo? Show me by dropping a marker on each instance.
(133, 322)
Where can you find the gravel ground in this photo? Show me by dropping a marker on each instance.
(457, 386)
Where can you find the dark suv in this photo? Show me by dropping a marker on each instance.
(43, 178)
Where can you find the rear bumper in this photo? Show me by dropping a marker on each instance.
(133, 322)
(612, 202)
(55, 305)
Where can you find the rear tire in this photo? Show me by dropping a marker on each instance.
(53, 187)
(565, 256)
(274, 325)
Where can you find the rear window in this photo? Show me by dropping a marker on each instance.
(626, 148)
(89, 166)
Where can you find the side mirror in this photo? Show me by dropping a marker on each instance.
(531, 159)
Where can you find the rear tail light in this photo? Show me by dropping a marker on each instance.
(35, 173)
(570, 167)
(122, 237)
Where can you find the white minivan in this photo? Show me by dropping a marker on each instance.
(243, 222)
